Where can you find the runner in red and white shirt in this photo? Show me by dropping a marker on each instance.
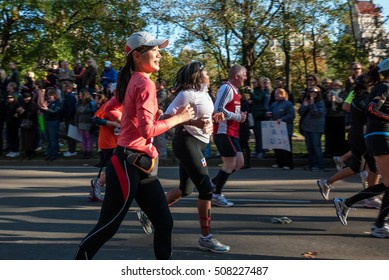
(226, 132)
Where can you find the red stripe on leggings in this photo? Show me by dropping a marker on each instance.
(121, 176)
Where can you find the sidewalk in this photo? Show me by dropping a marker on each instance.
(299, 162)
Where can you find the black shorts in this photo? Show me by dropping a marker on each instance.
(377, 144)
(227, 145)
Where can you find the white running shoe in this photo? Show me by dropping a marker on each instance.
(145, 222)
(95, 194)
(220, 200)
(380, 232)
(341, 210)
(338, 163)
(211, 244)
(325, 188)
(372, 203)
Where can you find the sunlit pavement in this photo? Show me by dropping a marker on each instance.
(44, 213)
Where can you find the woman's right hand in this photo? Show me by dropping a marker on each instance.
(185, 113)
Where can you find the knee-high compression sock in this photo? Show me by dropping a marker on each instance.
(220, 180)
(205, 222)
(384, 210)
(366, 193)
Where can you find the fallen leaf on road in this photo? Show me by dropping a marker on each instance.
(310, 255)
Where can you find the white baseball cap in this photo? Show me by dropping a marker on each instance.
(107, 63)
(383, 65)
(143, 38)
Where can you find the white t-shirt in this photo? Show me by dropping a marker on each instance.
(202, 105)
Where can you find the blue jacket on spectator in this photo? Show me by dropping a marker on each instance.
(108, 76)
(315, 115)
(283, 110)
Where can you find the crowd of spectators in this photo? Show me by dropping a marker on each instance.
(36, 113)
(66, 98)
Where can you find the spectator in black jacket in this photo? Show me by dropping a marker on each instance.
(12, 122)
(69, 112)
(29, 111)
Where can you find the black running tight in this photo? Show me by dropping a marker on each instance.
(119, 194)
(193, 166)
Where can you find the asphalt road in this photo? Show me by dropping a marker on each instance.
(44, 213)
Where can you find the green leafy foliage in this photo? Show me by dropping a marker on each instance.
(40, 31)
(271, 38)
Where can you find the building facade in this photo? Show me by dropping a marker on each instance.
(369, 30)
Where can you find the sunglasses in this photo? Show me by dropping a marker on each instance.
(315, 91)
(357, 68)
(201, 66)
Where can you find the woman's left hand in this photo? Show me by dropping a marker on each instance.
(208, 127)
(218, 117)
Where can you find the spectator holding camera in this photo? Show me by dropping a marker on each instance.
(312, 112)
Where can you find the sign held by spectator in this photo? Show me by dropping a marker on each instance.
(74, 133)
(275, 135)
